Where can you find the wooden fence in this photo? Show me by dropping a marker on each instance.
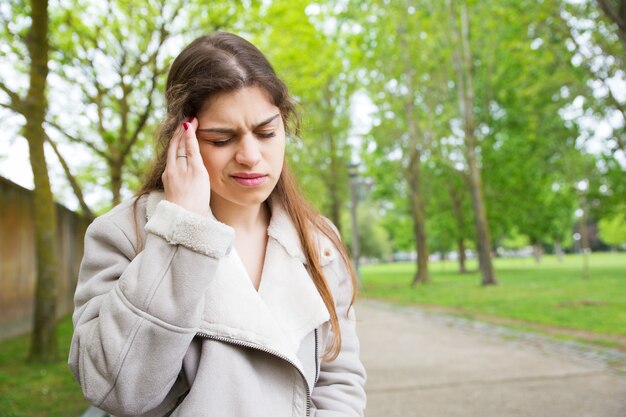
(18, 263)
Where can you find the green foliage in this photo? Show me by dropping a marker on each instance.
(613, 229)
(515, 240)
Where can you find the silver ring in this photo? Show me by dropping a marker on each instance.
(181, 156)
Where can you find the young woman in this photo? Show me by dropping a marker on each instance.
(218, 291)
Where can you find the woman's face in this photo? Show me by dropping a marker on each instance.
(242, 142)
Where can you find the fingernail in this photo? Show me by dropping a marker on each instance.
(186, 125)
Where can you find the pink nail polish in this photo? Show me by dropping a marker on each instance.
(186, 125)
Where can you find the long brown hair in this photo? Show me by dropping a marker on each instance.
(222, 62)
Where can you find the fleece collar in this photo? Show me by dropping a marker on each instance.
(281, 229)
(287, 305)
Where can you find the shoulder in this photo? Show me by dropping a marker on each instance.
(122, 224)
(332, 252)
(127, 212)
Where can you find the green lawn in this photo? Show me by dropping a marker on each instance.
(549, 294)
(34, 390)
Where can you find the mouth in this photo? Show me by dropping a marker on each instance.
(249, 179)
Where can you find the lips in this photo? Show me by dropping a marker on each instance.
(249, 179)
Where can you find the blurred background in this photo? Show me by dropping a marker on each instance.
(472, 154)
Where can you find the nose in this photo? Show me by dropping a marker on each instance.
(248, 151)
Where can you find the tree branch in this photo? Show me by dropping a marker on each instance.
(72, 180)
(77, 140)
(17, 104)
(156, 73)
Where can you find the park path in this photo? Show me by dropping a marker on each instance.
(422, 366)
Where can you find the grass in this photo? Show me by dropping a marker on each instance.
(38, 390)
(549, 297)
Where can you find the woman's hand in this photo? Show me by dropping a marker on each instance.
(185, 179)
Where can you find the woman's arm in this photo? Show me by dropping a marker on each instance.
(340, 388)
(135, 316)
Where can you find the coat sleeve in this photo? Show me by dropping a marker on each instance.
(136, 314)
(340, 388)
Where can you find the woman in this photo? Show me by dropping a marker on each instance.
(218, 291)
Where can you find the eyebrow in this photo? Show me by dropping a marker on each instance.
(227, 130)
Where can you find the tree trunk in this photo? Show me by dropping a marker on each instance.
(584, 238)
(419, 221)
(460, 226)
(461, 250)
(463, 66)
(417, 142)
(334, 174)
(537, 252)
(43, 342)
(116, 183)
(333, 184)
(558, 251)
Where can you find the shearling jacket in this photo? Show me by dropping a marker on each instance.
(177, 328)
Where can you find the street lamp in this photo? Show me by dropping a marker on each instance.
(353, 172)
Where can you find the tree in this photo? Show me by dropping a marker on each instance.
(406, 77)
(448, 201)
(33, 107)
(463, 63)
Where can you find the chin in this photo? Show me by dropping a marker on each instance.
(252, 198)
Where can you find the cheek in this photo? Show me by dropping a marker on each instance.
(211, 160)
(278, 153)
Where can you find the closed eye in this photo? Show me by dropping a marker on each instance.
(216, 141)
(219, 142)
(266, 135)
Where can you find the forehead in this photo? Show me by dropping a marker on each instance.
(247, 105)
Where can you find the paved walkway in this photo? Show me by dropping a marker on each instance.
(419, 365)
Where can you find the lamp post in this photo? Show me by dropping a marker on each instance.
(353, 174)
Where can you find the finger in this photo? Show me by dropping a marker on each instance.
(172, 149)
(182, 146)
(191, 141)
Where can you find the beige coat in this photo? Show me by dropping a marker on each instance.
(178, 329)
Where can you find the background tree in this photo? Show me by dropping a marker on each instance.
(450, 205)
(33, 49)
(464, 65)
(407, 81)
(116, 69)
(528, 145)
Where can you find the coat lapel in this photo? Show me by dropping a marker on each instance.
(287, 306)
